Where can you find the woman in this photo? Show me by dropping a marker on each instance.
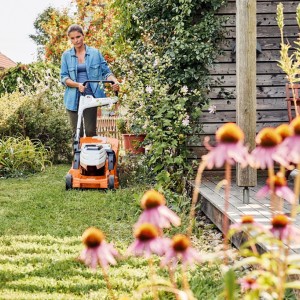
(79, 64)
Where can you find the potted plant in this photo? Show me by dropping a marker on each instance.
(132, 137)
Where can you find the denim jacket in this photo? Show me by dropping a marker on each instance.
(96, 68)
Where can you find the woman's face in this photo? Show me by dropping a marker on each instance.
(76, 39)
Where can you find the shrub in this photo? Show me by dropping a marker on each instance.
(38, 118)
(170, 46)
(28, 77)
(20, 156)
(31, 106)
(133, 170)
(10, 104)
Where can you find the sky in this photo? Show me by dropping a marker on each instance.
(16, 24)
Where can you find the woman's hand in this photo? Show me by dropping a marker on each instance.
(116, 86)
(81, 87)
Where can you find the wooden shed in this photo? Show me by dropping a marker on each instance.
(270, 82)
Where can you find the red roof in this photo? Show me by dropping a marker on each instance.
(6, 62)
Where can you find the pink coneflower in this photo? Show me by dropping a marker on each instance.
(267, 141)
(156, 212)
(248, 283)
(147, 241)
(283, 230)
(284, 130)
(280, 188)
(289, 150)
(97, 250)
(247, 223)
(229, 148)
(181, 250)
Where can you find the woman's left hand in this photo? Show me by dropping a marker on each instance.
(116, 87)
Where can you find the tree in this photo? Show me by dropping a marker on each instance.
(42, 37)
(95, 16)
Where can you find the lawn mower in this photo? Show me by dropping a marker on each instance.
(95, 159)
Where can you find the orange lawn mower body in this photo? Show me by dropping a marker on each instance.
(95, 158)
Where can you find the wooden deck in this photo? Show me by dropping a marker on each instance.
(213, 200)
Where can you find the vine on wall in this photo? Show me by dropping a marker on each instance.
(170, 46)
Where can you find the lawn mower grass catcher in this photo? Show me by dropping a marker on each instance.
(95, 159)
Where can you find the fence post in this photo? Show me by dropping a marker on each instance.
(246, 84)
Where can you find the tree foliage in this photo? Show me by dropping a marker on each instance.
(185, 31)
(42, 37)
(51, 28)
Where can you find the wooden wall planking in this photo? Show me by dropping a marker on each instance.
(271, 106)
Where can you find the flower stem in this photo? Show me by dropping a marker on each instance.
(226, 207)
(297, 193)
(294, 99)
(201, 168)
(110, 290)
(172, 278)
(281, 201)
(282, 265)
(271, 180)
(152, 273)
(185, 282)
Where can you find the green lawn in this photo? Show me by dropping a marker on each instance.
(40, 229)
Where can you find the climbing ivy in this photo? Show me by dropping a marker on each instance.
(169, 48)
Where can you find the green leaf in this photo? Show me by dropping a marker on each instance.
(157, 168)
(230, 284)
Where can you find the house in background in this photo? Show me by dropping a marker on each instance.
(6, 62)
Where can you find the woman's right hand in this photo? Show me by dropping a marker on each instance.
(81, 87)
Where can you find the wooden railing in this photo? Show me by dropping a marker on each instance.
(107, 126)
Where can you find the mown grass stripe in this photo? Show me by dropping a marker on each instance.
(40, 239)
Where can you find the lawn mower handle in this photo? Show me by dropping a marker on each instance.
(103, 81)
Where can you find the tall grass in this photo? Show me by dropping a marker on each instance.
(20, 156)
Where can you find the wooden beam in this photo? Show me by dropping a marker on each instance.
(246, 81)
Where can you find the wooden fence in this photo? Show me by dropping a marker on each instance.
(107, 126)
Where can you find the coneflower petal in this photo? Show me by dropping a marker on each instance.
(170, 215)
(263, 192)
(286, 193)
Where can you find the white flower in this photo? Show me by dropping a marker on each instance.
(183, 295)
(149, 89)
(186, 121)
(212, 109)
(184, 89)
